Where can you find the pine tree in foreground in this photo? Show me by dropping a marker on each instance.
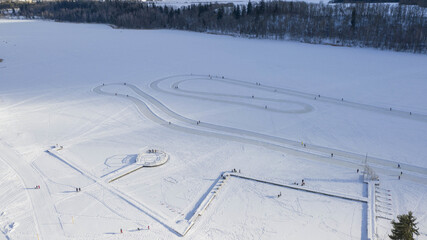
(405, 228)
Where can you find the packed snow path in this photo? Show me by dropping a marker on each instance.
(121, 195)
(224, 176)
(178, 91)
(302, 188)
(161, 159)
(299, 107)
(371, 160)
(312, 152)
(46, 217)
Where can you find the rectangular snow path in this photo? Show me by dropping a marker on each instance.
(296, 187)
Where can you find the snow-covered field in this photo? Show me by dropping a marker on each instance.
(257, 102)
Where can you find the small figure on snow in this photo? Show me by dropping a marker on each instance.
(398, 165)
(357, 170)
(332, 155)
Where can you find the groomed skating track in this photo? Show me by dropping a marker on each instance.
(147, 105)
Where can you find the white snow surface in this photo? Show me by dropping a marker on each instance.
(51, 93)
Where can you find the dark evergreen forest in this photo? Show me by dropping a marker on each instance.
(396, 27)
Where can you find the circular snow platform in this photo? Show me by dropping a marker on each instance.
(152, 158)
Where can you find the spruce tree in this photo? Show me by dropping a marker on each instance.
(405, 228)
(249, 8)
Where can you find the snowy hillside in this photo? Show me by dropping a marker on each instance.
(85, 106)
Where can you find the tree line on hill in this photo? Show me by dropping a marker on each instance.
(395, 27)
(421, 3)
